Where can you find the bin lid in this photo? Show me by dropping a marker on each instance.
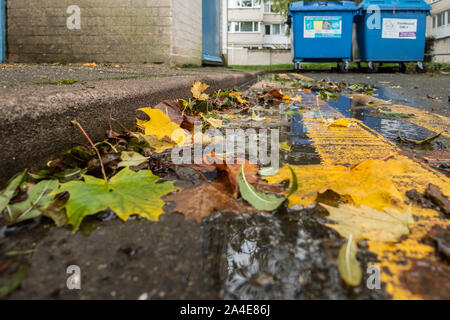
(323, 5)
(397, 4)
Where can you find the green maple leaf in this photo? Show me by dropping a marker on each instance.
(126, 193)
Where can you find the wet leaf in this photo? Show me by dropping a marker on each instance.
(259, 200)
(367, 223)
(201, 201)
(268, 172)
(131, 159)
(160, 126)
(395, 114)
(126, 193)
(197, 90)
(38, 200)
(274, 93)
(7, 193)
(429, 279)
(348, 265)
(369, 183)
(344, 122)
(13, 283)
(171, 108)
(215, 123)
(157, 145)
(418, 142)
(435, 194)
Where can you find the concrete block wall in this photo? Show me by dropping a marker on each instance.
(122, 31)
(186, 47)
(244, 56)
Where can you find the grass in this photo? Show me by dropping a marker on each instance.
(432, 66)
(59, 83)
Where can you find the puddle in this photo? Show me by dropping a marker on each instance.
(387, 127)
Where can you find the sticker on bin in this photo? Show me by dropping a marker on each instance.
(399, 29)
(322, 27)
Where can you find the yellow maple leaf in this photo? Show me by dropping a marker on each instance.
(369, 183)
(160, 126)
(367, 223)
(237, 95)
(158, 145)
(216, 123)
(197, 90)
(343, 122)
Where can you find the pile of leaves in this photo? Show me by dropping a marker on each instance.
(124, 173)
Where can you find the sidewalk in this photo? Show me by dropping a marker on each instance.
(35, 116)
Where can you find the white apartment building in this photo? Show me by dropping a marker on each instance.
(438, 26)
(255, 34)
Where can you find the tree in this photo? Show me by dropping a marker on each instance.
(282, 6)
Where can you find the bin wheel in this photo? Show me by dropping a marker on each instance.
(343, 67)
(358, 66)
(402, 67)
(297, 66)
(372, 67)
(420, 67)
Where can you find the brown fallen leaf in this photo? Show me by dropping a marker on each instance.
(171, 108)
(435, 194)
(431, 280)
(441, 237)
(201, 201)
(275, 94)
(189, 122)
(210, 162)
(91, 64)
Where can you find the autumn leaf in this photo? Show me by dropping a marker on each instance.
(131, 158)
(343, 122)
(215, 123)
(238, 97)
(7, 193)
(348, 266)
(369, 183)
(197, 90)
(38, 200)
(158, 145)
(201, 201)
(126, 193)
(367, 223)
(160, 126)
(274, 93)
(171, 108)
(90, 64)
(259, 200)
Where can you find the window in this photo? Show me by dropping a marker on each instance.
(448, 17)
(243, 26)
(268, 7)
(275, 29)
(441, 19)
(433, 19)
(244, 3)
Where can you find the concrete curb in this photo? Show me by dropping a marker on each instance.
(35, 121)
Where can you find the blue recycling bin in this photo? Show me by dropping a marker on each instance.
(321, 31)
(2, 31)
(392, 31)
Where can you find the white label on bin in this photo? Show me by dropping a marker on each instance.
(322, 27)
(399, 29)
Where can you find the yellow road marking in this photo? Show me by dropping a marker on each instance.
(352, 145)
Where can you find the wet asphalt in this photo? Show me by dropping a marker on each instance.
(288, 254)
